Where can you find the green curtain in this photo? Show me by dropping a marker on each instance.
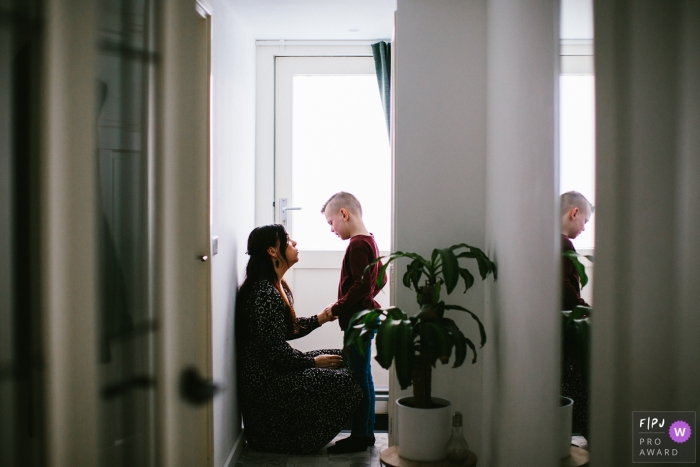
(382, 63)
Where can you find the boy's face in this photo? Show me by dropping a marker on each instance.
(338, 220)
(577, 221)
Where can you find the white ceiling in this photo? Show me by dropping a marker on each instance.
(317, 19)
(362, 19)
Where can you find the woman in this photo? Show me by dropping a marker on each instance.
(292, 402)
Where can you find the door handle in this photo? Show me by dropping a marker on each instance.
(195, 389)
(283, 211)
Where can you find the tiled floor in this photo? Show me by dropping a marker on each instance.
(369, 458)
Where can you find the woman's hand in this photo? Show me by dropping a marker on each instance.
(328, 361)
(326, 315)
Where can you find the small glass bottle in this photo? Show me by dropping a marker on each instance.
(457, 447)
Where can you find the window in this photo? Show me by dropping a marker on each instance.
(339, 143)
(577, 143)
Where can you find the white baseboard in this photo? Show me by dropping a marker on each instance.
(235, 451)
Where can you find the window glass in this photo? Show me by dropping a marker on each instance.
(339, 143)
(577, 144)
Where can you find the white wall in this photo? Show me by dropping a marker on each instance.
(522, 365)
(233, 69)
(440, 163)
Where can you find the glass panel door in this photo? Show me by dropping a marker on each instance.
(125, 159)
(330, 136)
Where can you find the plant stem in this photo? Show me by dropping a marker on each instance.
(422, 376)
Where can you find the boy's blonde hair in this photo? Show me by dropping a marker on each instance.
(574, 199)
(345, 200)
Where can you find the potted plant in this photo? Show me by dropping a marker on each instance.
(576, 327)
(575, 355)
(415, 343)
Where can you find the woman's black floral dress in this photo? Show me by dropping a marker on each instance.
(288, 405)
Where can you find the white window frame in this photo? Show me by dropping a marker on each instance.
(267, 51)
(576, 56)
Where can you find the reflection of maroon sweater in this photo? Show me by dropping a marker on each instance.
(571, 294)
(355, 293)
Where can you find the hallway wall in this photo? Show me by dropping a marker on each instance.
(459, 180)
(521, 386)
(233, 69)
(440, 165)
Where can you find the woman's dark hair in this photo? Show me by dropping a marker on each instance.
(260, 267)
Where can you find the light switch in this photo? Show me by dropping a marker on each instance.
(214, 245)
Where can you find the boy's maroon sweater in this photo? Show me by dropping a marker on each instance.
(571, 292)
(356, 293)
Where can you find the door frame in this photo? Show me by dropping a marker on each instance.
(206, 11)
(68, 233)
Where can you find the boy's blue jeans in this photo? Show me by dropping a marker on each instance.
(360, 367)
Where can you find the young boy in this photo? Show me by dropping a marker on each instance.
(576, 210)
(355, 293)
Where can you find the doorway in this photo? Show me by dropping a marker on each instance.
(321, 130)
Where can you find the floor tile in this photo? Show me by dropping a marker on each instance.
(369, 458)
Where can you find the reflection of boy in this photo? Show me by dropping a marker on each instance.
(355, 293)
(576, 210)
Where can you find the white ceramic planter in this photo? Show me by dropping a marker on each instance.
(423, 433)
(566, 411)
